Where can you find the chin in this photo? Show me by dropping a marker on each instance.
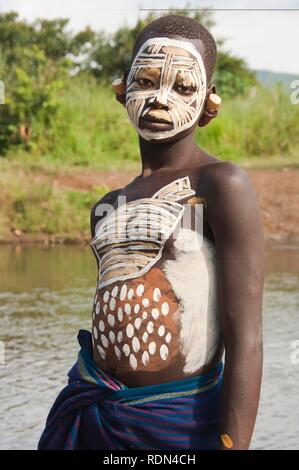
(174, 138)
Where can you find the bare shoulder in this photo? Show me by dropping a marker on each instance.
(225, 180)
(231, 204)
(225, 174)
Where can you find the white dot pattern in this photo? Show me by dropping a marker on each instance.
(135, 344)
(164, 352)
(138, 350)
(165, 308)
(152, 348)
(156, 294)
(161, 330)
(130, 330)
(155, 313)
(133, 361)
(106, 296)
(104, 341)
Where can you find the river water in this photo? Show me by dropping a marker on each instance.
(46, 296)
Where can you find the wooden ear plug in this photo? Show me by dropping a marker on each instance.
(118, 86)
(213, 102)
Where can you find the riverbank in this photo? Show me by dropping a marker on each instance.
(52, 205)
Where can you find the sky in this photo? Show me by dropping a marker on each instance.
(267, 39)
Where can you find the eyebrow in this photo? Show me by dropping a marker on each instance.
(151, 72)
(185, 78)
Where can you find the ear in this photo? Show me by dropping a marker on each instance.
(211, 107)
(119, 88)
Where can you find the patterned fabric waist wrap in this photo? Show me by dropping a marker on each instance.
(97, 411)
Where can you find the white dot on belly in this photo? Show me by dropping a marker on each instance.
(150, 327)
(137, 323)
(111, 320)
(112, 304)
(135, 344)
(152, 347)
(157, 294)
(106, 296)
(101, 351)
(164, 352)
(145, 302)
(161, 330)
(130, 330)
(145, 358)
(101, 325)
(133, 361)
(120, 314)
(140, 290)
(119, 336)
(127, 308)
(112, 337)
(126, 349)
(95, 332)
(144, 315)
(130, 294)
(123, 292)
(145, 337)
(165, 308)
(104, 341)
(114, 291)
(136, 308)
(168, 338)
(155, 313)
(105, 309)
(98, 307)
(117, 352)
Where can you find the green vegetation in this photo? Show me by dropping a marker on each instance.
(36, 207)
(92, 129)
(39, 60)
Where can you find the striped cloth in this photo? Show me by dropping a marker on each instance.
(96, 411)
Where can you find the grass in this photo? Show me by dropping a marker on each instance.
(40, 208)
(92, 130)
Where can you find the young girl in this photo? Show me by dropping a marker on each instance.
(180, 274)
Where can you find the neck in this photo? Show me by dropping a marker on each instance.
(167, 156)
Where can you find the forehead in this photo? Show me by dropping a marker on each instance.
(157, 50)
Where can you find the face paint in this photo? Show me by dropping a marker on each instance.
(167, 81)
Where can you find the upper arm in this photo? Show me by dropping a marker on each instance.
(234, 218)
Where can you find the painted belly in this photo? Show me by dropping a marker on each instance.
(136, 325)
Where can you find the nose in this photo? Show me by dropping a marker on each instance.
(160, 100)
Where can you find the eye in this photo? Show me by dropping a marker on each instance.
(144, 82)
(185, 90)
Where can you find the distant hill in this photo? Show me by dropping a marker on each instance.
(269, 78)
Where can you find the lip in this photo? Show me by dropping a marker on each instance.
(154, 125)
(155, 119)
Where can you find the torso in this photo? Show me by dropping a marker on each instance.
(155, 315)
